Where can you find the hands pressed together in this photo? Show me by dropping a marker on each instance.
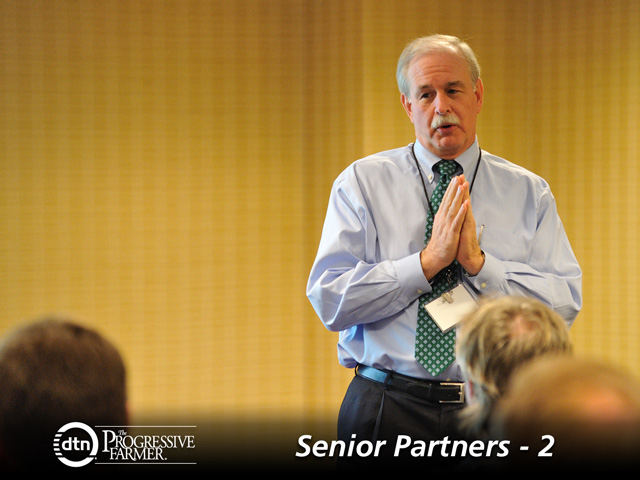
(453, 236)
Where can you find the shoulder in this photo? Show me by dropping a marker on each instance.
(504, 172)
(397, 161)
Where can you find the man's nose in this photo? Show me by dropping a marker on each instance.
(442, 104)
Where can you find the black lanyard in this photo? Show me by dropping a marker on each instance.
(424, 185)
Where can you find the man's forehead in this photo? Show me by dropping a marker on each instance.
(440, 59)
(445, 69)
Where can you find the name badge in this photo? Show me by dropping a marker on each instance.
(450, 308)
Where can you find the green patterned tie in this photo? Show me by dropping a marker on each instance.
(436, 350)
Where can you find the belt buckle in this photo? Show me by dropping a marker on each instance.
(460, 399)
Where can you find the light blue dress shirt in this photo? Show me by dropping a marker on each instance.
(367, 277)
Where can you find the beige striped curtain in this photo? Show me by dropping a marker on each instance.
(165, 168)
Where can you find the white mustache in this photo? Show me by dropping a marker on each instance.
(446, 119)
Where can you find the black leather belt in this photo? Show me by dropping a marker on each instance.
(441, 392)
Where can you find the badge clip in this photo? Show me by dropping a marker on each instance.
(447, 297)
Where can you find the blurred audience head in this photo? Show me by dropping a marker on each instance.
(54, 371)
(590, 409)
(500, 336)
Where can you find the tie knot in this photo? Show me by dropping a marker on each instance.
(446, 167)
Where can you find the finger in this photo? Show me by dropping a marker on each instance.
(456, 203)
(451, 190)
(468, 232)
(459, 219)
(461, 196)
(449, 197)
(469, 253)
(469, 220)
(467, 191)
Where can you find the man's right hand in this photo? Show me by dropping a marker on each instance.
(447, 226)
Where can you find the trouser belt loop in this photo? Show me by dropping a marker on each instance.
(387, 379)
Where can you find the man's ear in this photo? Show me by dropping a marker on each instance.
(406, 103)
(479, 91)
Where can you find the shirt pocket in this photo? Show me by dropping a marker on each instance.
(504, 244)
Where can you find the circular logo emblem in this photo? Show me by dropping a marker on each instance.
(75, 444)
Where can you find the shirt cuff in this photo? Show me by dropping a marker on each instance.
(411, 277)
(490, 277)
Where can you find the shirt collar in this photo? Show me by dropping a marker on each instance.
(467, 160)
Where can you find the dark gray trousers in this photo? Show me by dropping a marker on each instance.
(407, 425)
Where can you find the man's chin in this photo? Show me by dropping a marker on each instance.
(445, 149)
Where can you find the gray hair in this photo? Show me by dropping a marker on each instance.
(499, 338)
(431, 44)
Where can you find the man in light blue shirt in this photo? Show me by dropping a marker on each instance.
(497, 220)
